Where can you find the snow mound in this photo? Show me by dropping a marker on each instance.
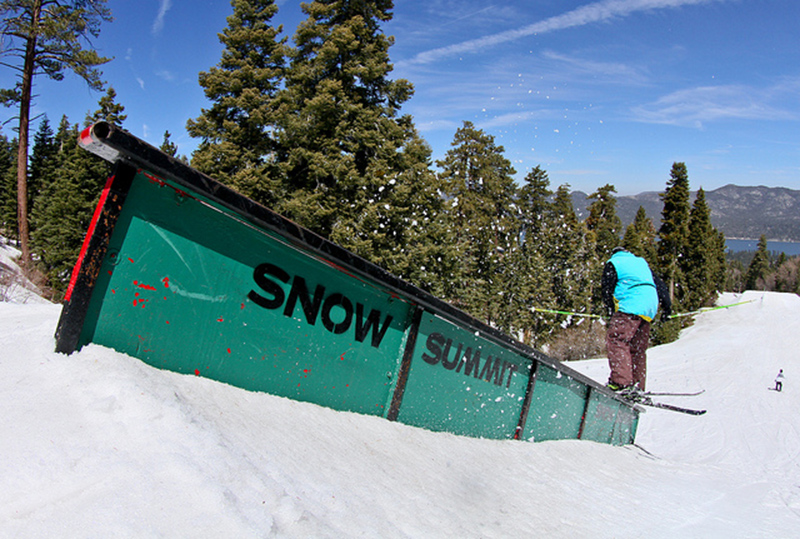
(98, 444)
(14, 286)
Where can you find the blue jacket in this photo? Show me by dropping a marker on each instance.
(634, 287)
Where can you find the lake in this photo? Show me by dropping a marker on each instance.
(789, 247)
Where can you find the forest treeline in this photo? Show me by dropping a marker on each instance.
(313, 129)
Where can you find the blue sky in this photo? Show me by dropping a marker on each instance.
(604, 92)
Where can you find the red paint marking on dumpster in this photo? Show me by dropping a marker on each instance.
(197, 372)
(165, 280)
(89, 233)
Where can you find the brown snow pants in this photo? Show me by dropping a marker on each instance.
(627, 339)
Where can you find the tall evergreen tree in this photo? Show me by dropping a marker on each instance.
(42, 161)
(603, 220)
(8, 187)
(45, 37)
(64, 136)
(533, 282)
(759, 267)
(346, 148)
(238, 132)
(719, 261)
(167, 146)
(108, 110)
(534, 206)
(67, 203)
(58, 216)
(570, 257)
(480, 194)
(640, 238)
(699, 264)
(673, 233)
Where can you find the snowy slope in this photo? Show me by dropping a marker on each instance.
(13, 286)
(99, 444)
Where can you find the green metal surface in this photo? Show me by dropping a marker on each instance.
(463, 383)
(557, 406)
(189, 287)
(240, 296)
(608, 420)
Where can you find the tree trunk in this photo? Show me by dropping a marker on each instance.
(22, 154)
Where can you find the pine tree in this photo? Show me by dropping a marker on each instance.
(534, 205)
(42, 162)
(109, 110)
(603, 220)
(640, 238)
(65, 208)
(167, 146)
(238, 132)
(8, 188)
(480, 194)
(759, 267)
(409, 234)
(570, 257)
(345, 144)
(64, 135)
(719, 261)
(45, 36)
(673, 233)
(699, 264)
(533, 282)
(57, 217)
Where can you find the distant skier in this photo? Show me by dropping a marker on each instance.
(779, 381)
(631, 295)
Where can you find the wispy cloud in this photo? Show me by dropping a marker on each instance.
(588, 14)
(166, 75)
(158, 24)
(696, 107)
(604, 71)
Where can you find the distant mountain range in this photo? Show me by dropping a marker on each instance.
(739, 212)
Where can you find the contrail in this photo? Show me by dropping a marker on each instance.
(590, 13)
(158, 24)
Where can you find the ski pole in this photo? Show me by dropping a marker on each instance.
(567, 313)
(709, 309)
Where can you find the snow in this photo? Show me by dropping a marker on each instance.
(99, 444)
(14, 287)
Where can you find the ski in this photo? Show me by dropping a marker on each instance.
(644, 398)
(672, 394)
(663, 406)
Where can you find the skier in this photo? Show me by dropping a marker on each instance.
(779, 381)
(631, 295)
